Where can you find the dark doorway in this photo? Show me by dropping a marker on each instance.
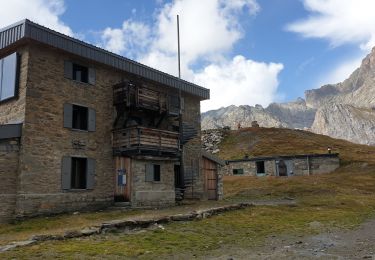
(178, 178)
(179, 184)
(282, 168)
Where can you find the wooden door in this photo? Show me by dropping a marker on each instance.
(122, 179)
(210, 172)
(283, 171)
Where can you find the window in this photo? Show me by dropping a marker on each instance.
(260, 167)
(78, 178)
(79, 117)
(152, 172)
(79, 72)
(9, 73)
(237, 171)
(77, 173)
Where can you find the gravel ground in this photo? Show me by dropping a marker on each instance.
(338, 244)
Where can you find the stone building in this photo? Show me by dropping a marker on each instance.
(296, 165)
(81, 128)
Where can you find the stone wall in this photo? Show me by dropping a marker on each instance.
(192, 152)
(220, 184)
(9, 157)
(45, 141)
(13, 110)
(318, 165)
(315, 165)
(249, 168)
(157, 193)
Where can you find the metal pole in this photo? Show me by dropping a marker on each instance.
(182, 170)
(178, 45)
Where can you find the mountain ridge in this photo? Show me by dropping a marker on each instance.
(345, 110)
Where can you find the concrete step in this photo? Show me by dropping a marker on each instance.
(121, 204)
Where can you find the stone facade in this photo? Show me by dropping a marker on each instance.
(296, 166)
(9, 157)
(192, 152)
(45, 141)
(36, 165)
(152, 193)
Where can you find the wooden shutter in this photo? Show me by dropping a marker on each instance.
(149, 172)
(92, 76)
(68, 69)
(90, 177)
(68, 115)
(92, 120)
(66, 168)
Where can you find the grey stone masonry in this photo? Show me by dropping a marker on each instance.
(9, 157)
(299, 165)
(152, 193)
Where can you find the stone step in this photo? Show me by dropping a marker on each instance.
(121, 204)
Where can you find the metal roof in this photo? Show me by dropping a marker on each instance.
(26, 29)
(212, 157)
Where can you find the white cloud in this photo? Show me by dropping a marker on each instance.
(239, 81)
(339, 21)
(130, 39)
(208, 32)
(44, 12)
(206, 27)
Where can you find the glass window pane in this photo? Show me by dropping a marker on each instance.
(8, 82)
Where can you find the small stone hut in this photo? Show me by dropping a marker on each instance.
(291, 165)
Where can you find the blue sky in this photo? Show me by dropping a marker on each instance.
(246, 51)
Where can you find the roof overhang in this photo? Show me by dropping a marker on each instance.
(27, 30)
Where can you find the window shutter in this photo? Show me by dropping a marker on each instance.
(149, 172)
(66, 169)
(68, 69)
(92, 76)
(68, 115)
(90, 174)
(92, 120)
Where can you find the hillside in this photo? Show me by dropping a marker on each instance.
(280, 141)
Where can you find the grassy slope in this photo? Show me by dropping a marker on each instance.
(342, 199)
(277, 141)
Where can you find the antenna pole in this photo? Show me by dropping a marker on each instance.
(178, 43)
(182, 169)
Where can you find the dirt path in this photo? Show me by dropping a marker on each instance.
(350, 244)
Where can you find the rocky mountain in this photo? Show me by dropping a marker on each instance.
(345, 110)
(287, 115)
(346, 122)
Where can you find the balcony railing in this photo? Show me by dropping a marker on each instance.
(145, 98)
(142, 140)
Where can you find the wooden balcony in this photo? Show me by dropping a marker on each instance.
(142, 97)
(145, 141)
